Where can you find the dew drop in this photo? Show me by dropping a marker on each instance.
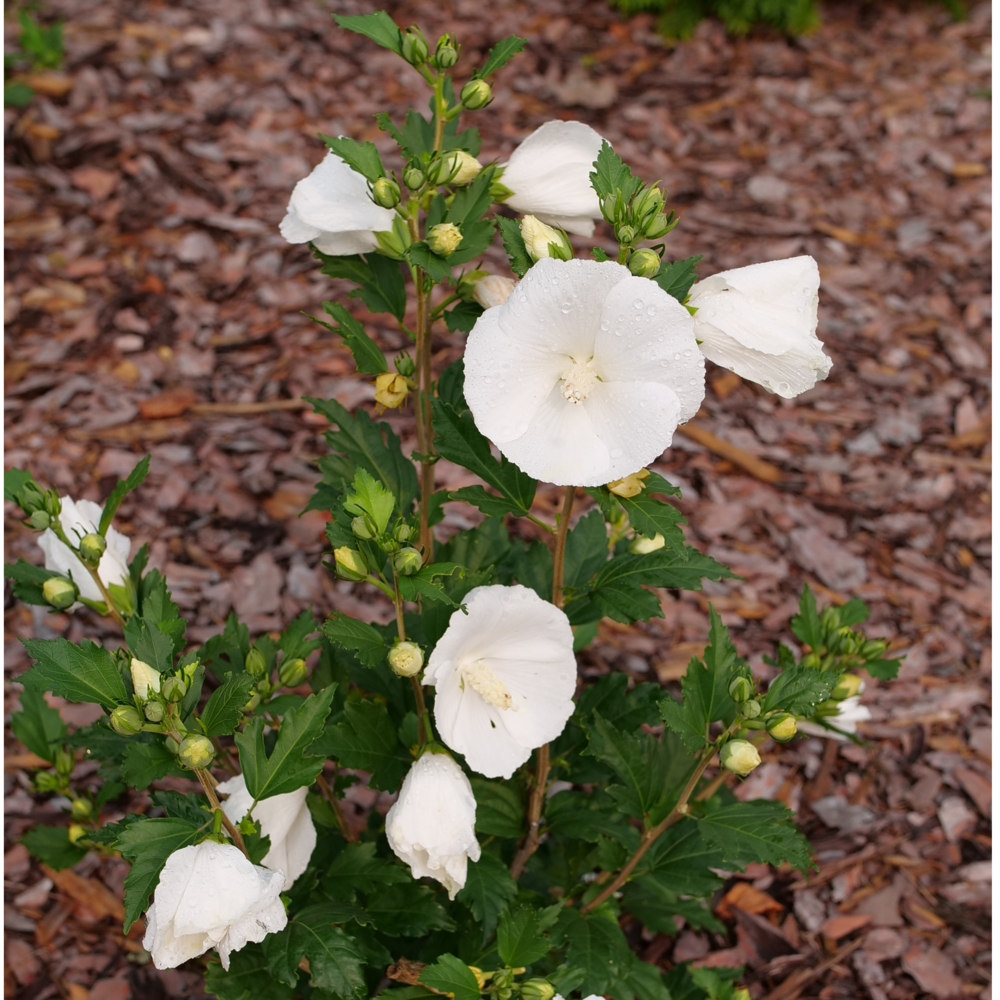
(621, 318)
(500, 385)
(687, 354)
(659, 340)
(605, 325)
(651, 311)
(677, 357)
(692, 381)
(637, 304)
(618, 332)
(522, 298)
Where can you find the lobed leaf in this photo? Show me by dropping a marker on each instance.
(367, 356)
(124, 486)
(378, 26)
(221, 715)
(500, 55)
(368, 740)
(39, 727)
(81, 673)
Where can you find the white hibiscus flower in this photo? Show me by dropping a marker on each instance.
(850, 713)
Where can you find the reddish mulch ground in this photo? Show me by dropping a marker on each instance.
(146, 279)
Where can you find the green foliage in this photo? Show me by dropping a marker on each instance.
(677, 277)
(379, 27)
(26, 581)
(759, 830)
(513, 243)
(367, 355)
(520, 936)
(679, 18)
(367, 739)
(489, 887)
(360, 156)
(500, 55)
(51, 845)
(39, 727)
(381, 284)
(221, 715)
(84, 673)
(365, 641)
(451, 975)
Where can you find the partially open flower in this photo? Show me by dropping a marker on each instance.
(444, 238)
(549, 174)
(643, 546)
(391, 390)
(331, 208)
(631, 485)
(760, 322)
(456, 168)
(432, 824)
(504, 675)
(541, 240)
(582, 375)
(493, 290)
(144, 679)
(406, 659)
(848, 714)
(739, 756)
(210, 896)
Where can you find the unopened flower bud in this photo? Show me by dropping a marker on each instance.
(391, 391)
(848, 685)
(741, 994)
(406, 659)
(503, 978)
(830, 618)
(657, 226)
(350, 564)
(361, 528)
(415, 48)
(144, 679)
(644, 263)
(174, 688)
(39, 520)
(648, 203)
(541, 240)
(537, 989)
(414, 178)
(444, 238)
(60, 593)
(46, 781)
(631, 485)
(407, 561)
(292, 672)
(873, 649)
(750, 709)
(493, 290)
(402, 532)
(739, 756)
(476, 94)
(80, 808)
(53, 504)
(405, 365)
(172, 745)
(782, 727)
(196, 751)
(76, 833)
(153, 711)
(256, 662)
(740, 688)
(642, 545)
(625, 235)
(446, 52)
(64, 762)
(92, 547)
(455, 167)
(126, 721)
(385, 192)
(252, 703)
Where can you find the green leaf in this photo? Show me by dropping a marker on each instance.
(144, 763)
(489, 503)
(611, 174)
(148, 643)
(646, 981)
(248, 977)
(759, 830)
(361, 156)
(221, 715)
(422, 583)
(596, 945)
(586, 549)
(125, 486)
(336, 961)
(379, 27)
(381, 280)
(415, 138)
(39, 727)
(407, 910)
(677, 277)
(451, 975)
(884, 670)
(520, 938)
(16, 94)
(583, 816)
(489, 887)
(365, 641)
(471, 201)
(295, 641)
(155, 604)
(499, 810)
(653, 902)
(289, 765)
(84, 673)
(372, 498)
(650, 516)
(227, 651)
(14, 480)
(462, 318)
(27, 581)
(685, 860)
(805, 625)
(420, 255)
(367, 740)
(513, 243)
(51, 845)
(356, 868)
(500, 55)
(367, 356)
(799, 690)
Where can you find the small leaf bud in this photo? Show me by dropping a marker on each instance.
(402, 532)
(848, 686)
(739, 756)
(174, 688)
(31, 497)
(154, 711)
(391, 391)
(405, 365)
(385, 192)
(830, 618)
(644, 263)
(414, 178)
(251, 704)
(407, 561)
(144, 679)
(196, 751)
(361, 529)
(741, 994)
(782, 727)
(537, 989)
(415, 48)
(92, 547)
(631, 485)
(59, 592)
(740, 688)
(444, 238)
(80, 808)
(476, 94)
(39, 520)
(446, 52)
(76, 833)
(64, 762)
(406, 659)
(126, 721)
(172, 745)
(625, 235)
(292, 672)
(350, 564)
(642, 546)
(256, 662)
(541, 240)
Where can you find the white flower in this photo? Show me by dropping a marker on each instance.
(332, 209)
(540, 239)
(493, 290)
(210, 896)
(583, 374)
(760, 322)
(432, 825)
(79, 518)
(144, 679)
(850, 713)
(283, 818)
(549, 174)
(505, 676)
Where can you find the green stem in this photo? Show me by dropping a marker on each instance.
(206, 783)
(439, 112)
(112, 610)
(327, 792)
(559, 555)
(397, 603)
(541, 524)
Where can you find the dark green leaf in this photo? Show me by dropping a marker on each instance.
(488, 888)
(192, 807)
(39, 727)
(407, 910)
(14, 480)
(379, 27)
(499, 810)
(248, 977)
(500, 55)
(451, 386)
(462, 318)
(27, 580)
(884, 670)
(361, 156)
(471, 201)
(489, 503)
(520, 938)
(586, 549)
(382, 286)
(684, 860)
(799, 690)
(133, 481)
(147, 762)
(451, 975)
(84, 673)
(356, 868)
(611, 174)
(759, 830)
(588, 817)
(149, 644)
(227, 651)
(646, 981)
(367, 740)
(653, 901)
(650, 516)
(156, 605)
(513, 243)
(805, 625)
(677, 277)
(853, 612)
(336, 961)
(363, 640)
(427, 582)
(51, 845)
(367, 356)
(221, 715)
(596, 945)
(295, 639)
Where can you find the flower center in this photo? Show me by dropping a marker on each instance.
(578, 380)
(486, 683)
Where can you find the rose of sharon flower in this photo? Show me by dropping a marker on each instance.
(431, 826)
(850, 712)
(79, 518)
(283, 818)
(332, 209)
(549, 174)
(583, 374)
(504, 675)
(210, 896)
(760, 322)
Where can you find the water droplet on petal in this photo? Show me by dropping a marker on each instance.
(677, 357)
(687, 354)
(618, 332)
(637, 304)
(651, 311)
(605, 325)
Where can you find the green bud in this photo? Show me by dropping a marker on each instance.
(542, 240)
(361, 528)
(292, 672)
(782, 727)
(126, 721)
(350, 564)
(415, 49)
(848, 685)
(503, 978)
(251, 704)
(446, 52)
(830, 618)
(80, 808)
(256, 662)
(39, 520)
(741, 994)
(76, 833)
(537, 989)
(739, 756)
(92, 547)
(59, 592)
(609, 207)
(405, 365)
(644, 263)
(64, 762)
(31, 497)
(414, 178)
(173, 688)
(750, 709)
(385, 192)
(402, 532)
(659, 225)
(873, 649)
(811, 660)
(46, 781)
(407, 561)
(444, 238)
(740, 688)
(406, 659)
(154, 711)
(52, 503)
(648, 204)
(476, 94)
(196, 751)
(625, 235)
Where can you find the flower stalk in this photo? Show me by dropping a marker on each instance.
(206, 783)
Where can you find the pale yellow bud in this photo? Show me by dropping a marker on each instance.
(630, 486)
(539, 239)
(783, 728)
(848, 685)
(643, 546)
(444, 238)
(350, 564)
(463, 167)
(406, 659)
(391, 390)
(493, 290)
(144, 679)
(76, 833)
(739, 756)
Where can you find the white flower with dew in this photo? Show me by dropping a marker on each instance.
(284, 818)
(332, 209)
(849, 713)
(432, 824)
(210, 896)
(79, 518)
(549, 174)
(504, 675)
(583, 374)
(760, 322)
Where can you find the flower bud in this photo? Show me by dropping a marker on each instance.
(415, 49)
(631, 485)
(385, 192)
(80, 808)
(830, 618)
(174, 688)
(402, 532)
(541, 240)
(456, 167)
(873, 649)
(144, 679)
(391, 391)
(741, 994)
(493, 290)
(39, 520)
(625, 235)
(406, 659)
(658, 225)
(361, 528)
(537, 989)
(76, 833)
(750, 709)
(126, 721)
(350, 564)
(407, 561)
(444, 238)
(53, 504)
(405, 365)
(153, 711)
(172, 745)
(292, 672)
(740, 688)
(644, 263)
(642, 546)
(59, 592)
(252, 703)
(414, 178)
(848, 686)
(782, 727)
(480, 976)
(196, 751)
(64, 762)
(92, 547)
(446, 53)
(256, 662)
(476, 94)
(46, 781)
(30, 497)
(739, 756)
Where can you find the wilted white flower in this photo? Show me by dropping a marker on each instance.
(283, 818)
(505, 675)
(144, 679)
(210, 896)
(549, 174)
(79, 518)
(493, 290)
(582, 375)
(432, 825)
(849, 713)
(331, 208)
(760, 322)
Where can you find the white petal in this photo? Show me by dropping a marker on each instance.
(334, 199)
(294, 230)
(579, 225)
(341, 244)
(60, 559)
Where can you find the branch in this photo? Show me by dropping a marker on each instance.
(530, 844)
